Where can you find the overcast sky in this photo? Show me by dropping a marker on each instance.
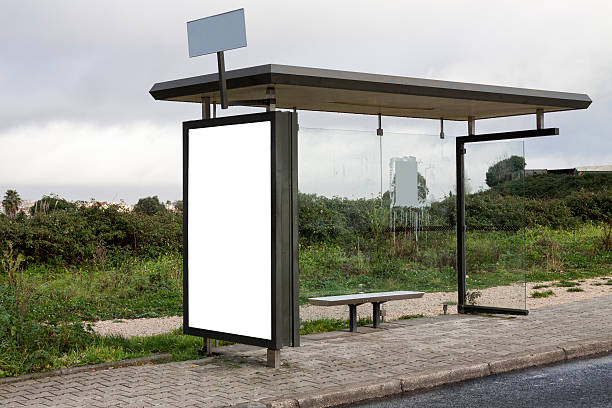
(76, 117)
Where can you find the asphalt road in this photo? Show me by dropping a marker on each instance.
(580, 383)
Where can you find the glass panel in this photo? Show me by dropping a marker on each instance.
(495, 224)
(376, 213)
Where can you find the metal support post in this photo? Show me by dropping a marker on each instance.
(206, 115)
(271, 97)
(353, 318)
(540, 118)
(206, 107)
(460, 155)
(273, 358)
(471, 125)
(441, 128)
(214, 105)
(222, 84)
(376, 314)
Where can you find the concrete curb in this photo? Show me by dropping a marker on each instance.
(355, 392)
(94, 367)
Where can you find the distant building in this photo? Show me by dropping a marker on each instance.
(576, 171)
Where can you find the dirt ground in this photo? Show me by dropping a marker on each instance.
(431, 304)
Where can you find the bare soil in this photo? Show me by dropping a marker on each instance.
(431, 304)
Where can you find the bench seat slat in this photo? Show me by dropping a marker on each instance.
(360, 298)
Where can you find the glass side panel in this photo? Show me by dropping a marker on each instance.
(495, 224)
(376, 213)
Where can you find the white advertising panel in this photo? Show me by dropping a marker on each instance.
(229, 229)
(404, 182)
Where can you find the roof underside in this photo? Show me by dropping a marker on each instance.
(352, 92)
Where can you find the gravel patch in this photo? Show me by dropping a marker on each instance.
(429, 305)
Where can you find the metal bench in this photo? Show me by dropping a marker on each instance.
(360, 298)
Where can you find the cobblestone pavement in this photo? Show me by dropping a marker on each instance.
(327, 360)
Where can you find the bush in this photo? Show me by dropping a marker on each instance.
(79, 235)
(28, 346)
(149, 206)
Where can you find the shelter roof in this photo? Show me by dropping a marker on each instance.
(355, 92)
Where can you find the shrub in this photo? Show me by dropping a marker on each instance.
(149, 206)
(79, 235)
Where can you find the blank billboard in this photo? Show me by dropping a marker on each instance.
(222, 32)
(229, 229)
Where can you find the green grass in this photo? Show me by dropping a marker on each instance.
(151, 288)
(411, 316)
(493, 258)
(540, 286)
(327, 325)
(544, 294)
(567, 284)
(83, 347)
(575, 290)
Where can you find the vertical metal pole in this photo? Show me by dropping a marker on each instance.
(206, 115)
(460, 154)
(214, 105)
(540, 118)
(460, 162)
(206, 107)
(222, 84)
(376, 314)
(353, 318)
(441, 128)
(271, 97)
(273, 358)
(471, 125)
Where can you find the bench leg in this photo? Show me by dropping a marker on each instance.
(353, 318)
(376, 314)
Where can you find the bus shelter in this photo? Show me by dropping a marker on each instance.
(244, 287)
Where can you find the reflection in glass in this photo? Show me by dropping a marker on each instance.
(495, 224)
(376, 213)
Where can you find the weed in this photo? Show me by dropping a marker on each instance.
(327, 325)
(540, 286)
(575, 290)
(567, 284)
(11, 262)
(410, 316)
(544, 294)
(471, 296)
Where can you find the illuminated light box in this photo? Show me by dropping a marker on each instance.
(240, 270)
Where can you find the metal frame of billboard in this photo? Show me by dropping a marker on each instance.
(284, 272)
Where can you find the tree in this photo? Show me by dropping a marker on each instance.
(11, 203)
(149, 206)
(50, 203)
(178, 205)
(504, 170)
(422, 187)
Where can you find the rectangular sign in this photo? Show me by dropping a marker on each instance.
(216, 33)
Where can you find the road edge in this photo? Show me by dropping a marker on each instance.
(379, 388)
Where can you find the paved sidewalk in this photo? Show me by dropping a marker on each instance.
(377, 362)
